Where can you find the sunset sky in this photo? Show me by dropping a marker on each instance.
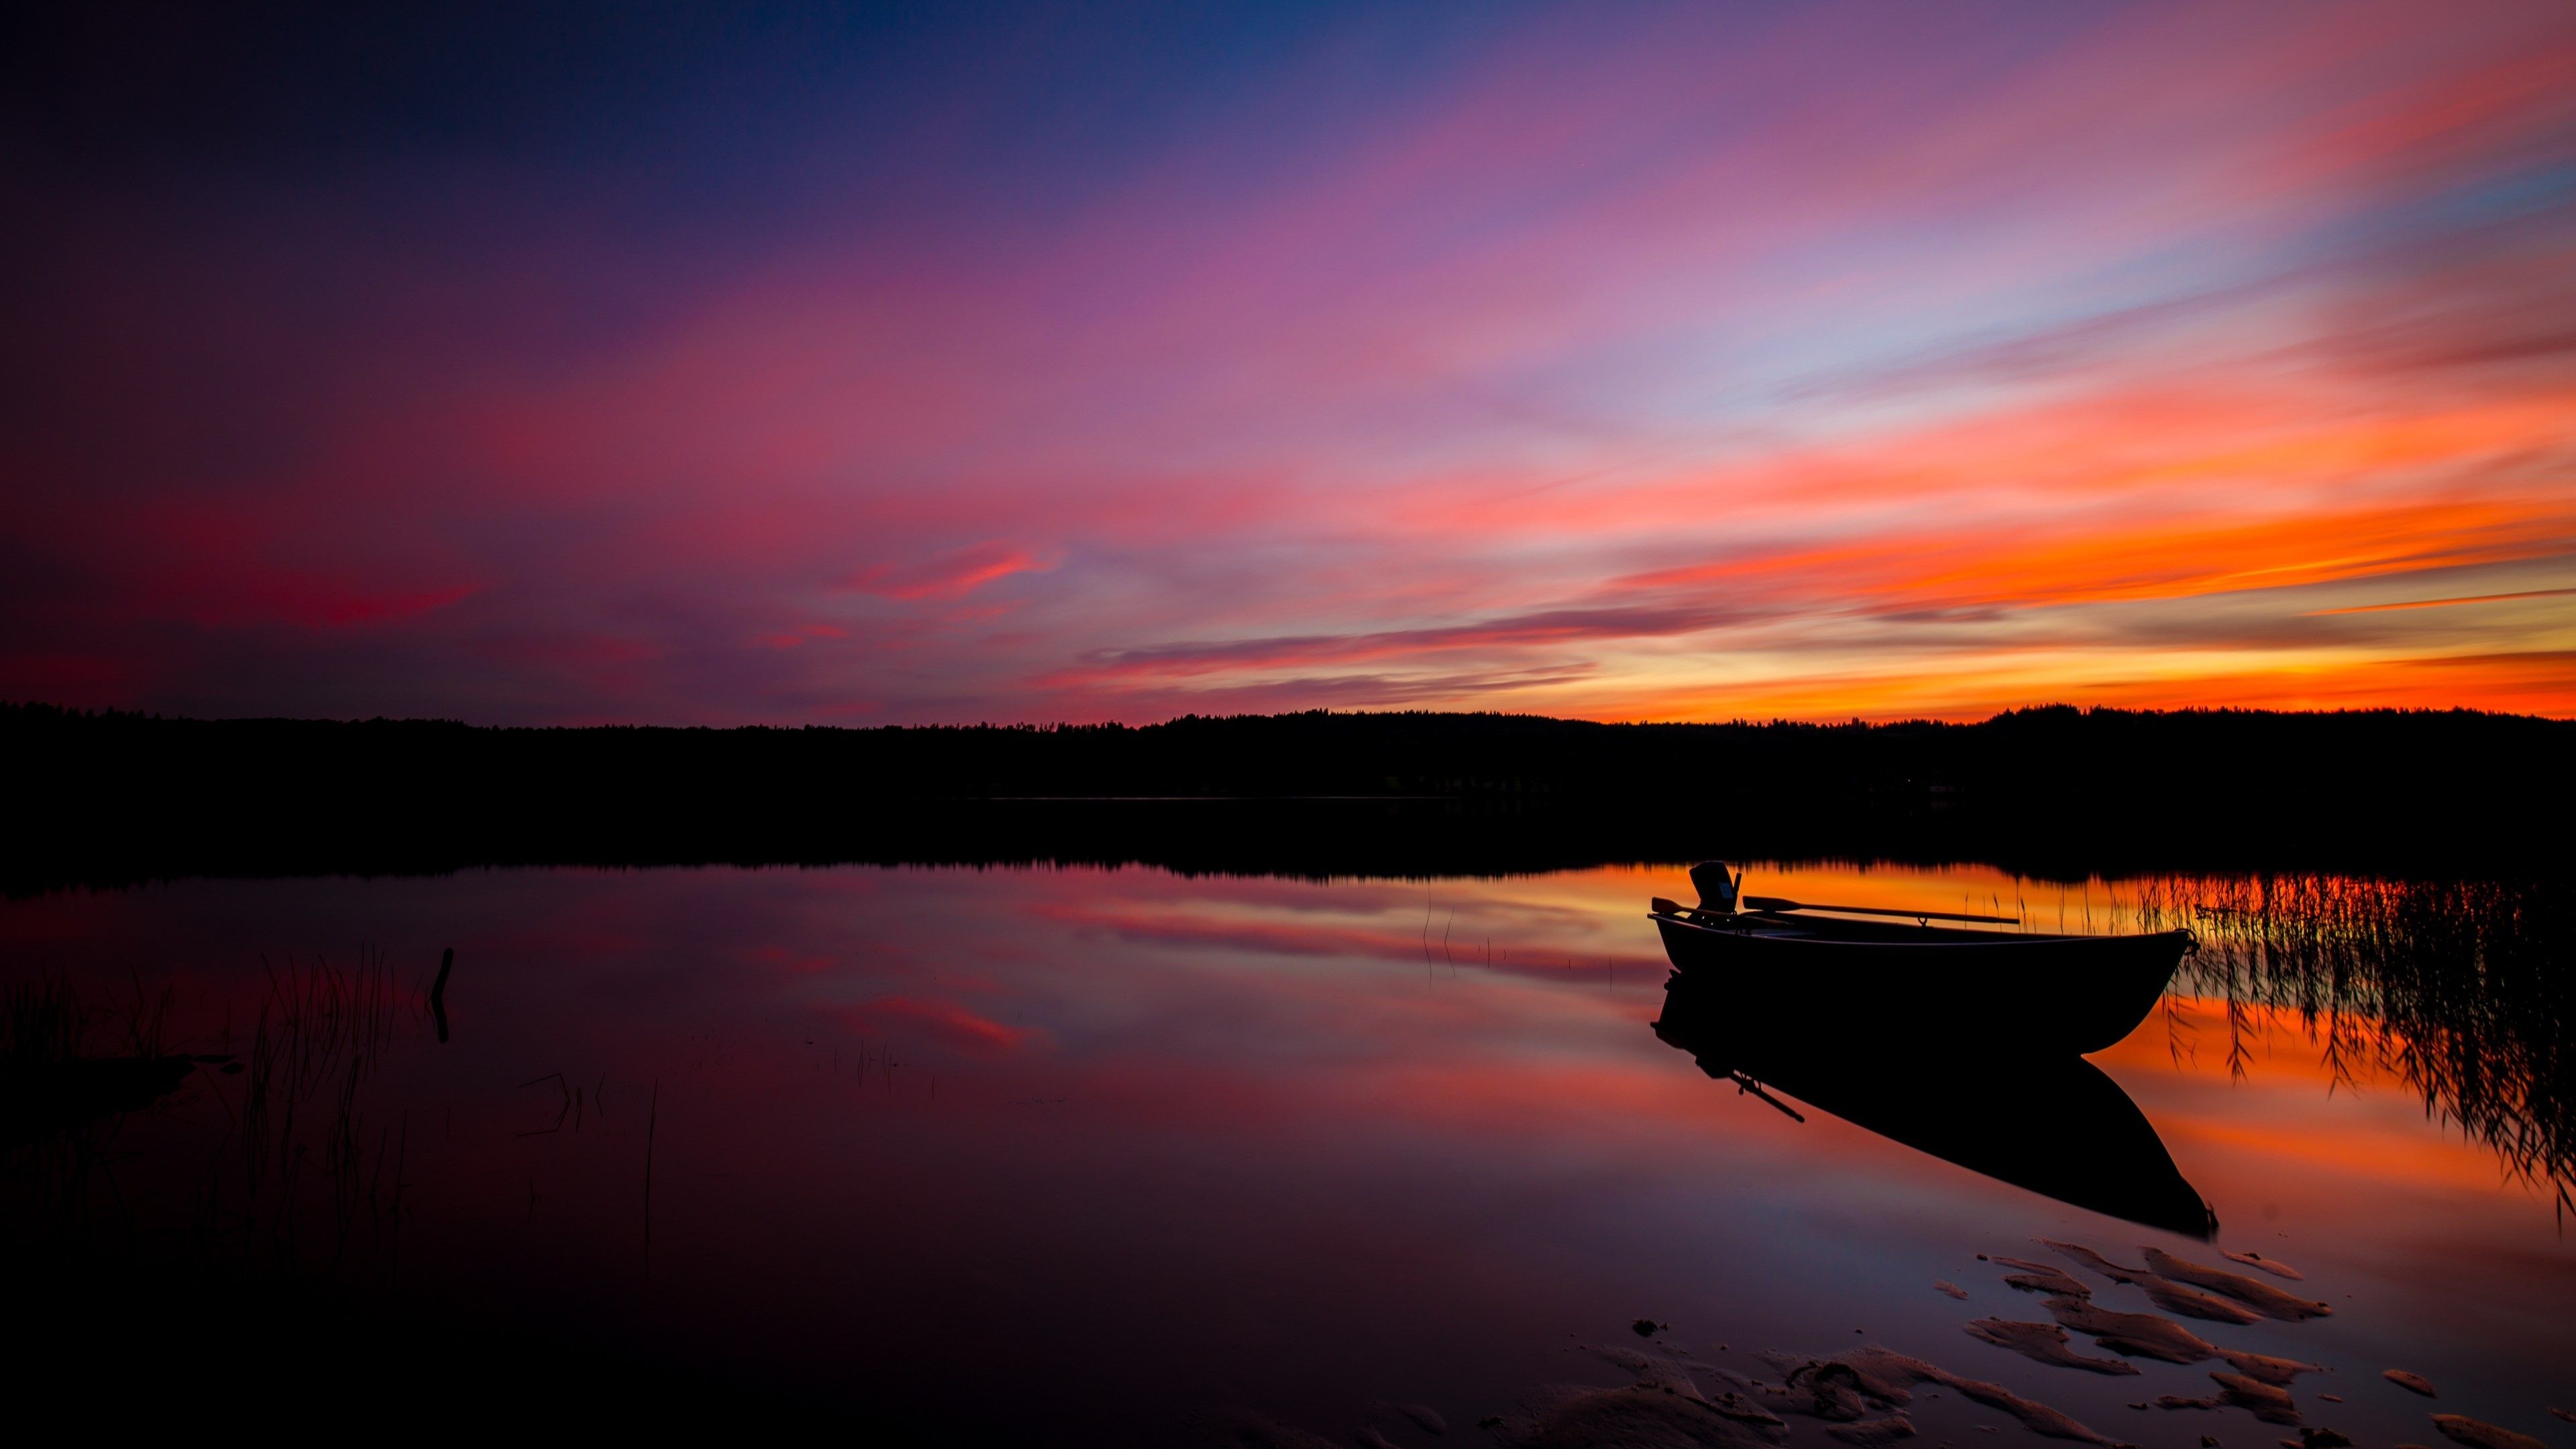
(1118, 362)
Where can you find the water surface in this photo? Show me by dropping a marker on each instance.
(1115, 1155)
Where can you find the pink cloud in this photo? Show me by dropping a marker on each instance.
(951, 575)
(307, 602)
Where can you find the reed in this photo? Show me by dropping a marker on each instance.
(299, 1177)
(50, 1165)
(2460, 988)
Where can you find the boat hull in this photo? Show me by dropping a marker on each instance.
(1854, 981)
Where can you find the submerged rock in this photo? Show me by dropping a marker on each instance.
(2037, 1417)
(2273, 1266)
(2479, 1434)
(1944, 1285)
(1874, 1432)
(2173, 1297)
(1886, 1374)
(2261, 1296)
(2139, 1335)
(2267, 1368)
(2045, 1342)
(1654, 1370)
(2043, 1278)
(2085, 1257)
(1638, 1417)
(2416, 1382)
(2267, 1402)
(1829, 1390)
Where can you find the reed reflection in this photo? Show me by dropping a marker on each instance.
(2461, 989)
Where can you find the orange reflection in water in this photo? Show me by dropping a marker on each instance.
(2259, 1088)
(1088, 1103)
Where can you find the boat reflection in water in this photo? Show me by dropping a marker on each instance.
(2039, 1117)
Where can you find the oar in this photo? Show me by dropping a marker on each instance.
(1774, 903)
(1744, 1084)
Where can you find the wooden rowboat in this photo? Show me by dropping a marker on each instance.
(1873, 980)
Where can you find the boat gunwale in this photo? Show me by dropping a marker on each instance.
(1980, 939)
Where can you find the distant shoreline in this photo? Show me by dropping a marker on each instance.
(109, 797)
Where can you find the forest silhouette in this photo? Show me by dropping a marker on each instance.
(111, 796)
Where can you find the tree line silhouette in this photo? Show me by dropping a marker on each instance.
(107, 796)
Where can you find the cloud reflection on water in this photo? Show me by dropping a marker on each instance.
(1264, 1138)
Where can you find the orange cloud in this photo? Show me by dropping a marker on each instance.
(2443, 603)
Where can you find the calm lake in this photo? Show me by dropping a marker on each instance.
(1121, 1156)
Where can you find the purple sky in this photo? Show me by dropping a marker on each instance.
(1096, 363)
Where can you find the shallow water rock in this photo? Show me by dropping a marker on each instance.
(2086, 1258)
(2173, 1297)
(2267, 1402)
(2267, 1368)
(2044, 1278)
(2479, 1434)
(1828, 1391)
(2045, 1342)
(2273, 1266)
(1655, 1370)
(2037, 1417)
(2261, 1296)
(1871, 1433)
(2139, 1335)
(1886, 1373)
(1637, 1417)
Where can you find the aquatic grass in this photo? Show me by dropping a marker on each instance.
(43, 1020)
(298, 1164)
(49, 1166)
(320, 1034)
(2463, 989)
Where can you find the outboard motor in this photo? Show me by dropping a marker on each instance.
(1716, 887)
